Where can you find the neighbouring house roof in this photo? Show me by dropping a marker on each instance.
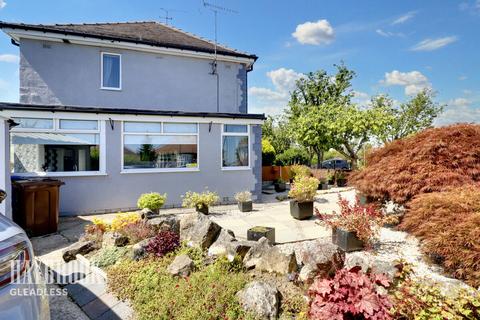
(145, 32)
(100, 110)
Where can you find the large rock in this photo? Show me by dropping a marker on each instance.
(260, 299)
(147, 214)
(114, 239)
(227, 245)
(264, 257)
(368, 261)
(181, 266)
(202, 233)
(165, 222)
(139, 249)
(81, 247)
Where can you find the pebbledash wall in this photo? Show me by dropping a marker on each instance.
(69, 74)
(117, 191)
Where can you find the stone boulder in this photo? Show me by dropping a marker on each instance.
(147, 214)
(227, 245)
(264, 257)
(261, 299)
(139, 249)
(80, 247)
(165, 222)
(201, 233)
(181, 266)
(114, 239)
(368, 261)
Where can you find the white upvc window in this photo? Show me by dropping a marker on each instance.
(57, 147)
(159, 147)
(111, 71)
(235, 147)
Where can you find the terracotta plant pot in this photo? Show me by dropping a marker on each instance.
(258, 232)
(245, 206)
(301, 210)
(346, 240)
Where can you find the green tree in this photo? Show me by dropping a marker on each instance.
(268, 153)
(410, 117)
(276, 130)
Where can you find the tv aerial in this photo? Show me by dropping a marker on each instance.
(167, 16)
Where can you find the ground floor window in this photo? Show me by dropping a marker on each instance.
(160, 145)
(54, 145)
(235, 146)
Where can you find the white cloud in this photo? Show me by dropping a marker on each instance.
(12, 58)
(472, 7)
(268, 94)
(284, 79)
(388, 34)
(433, 44)
(413, 81)
(315, 33)
(454, 114)
(461, 78)
(460, 102)
(402, 19)
(361, 98)
(2, 4)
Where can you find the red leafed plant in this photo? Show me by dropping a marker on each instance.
(137, 231)
(163, 243)
(350, 295)
(436, 159)
(363, 220)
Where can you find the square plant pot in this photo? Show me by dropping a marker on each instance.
(341, 183)
(256, 233)
(323, 186)
(202, 209)
(346, 240)
(301, 210)
(245, 206)
(280, 186)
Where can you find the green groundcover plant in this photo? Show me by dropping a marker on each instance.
(152, 200)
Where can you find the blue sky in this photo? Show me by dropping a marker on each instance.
(396, 47)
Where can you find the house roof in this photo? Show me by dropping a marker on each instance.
(101, 110)
(144, 32)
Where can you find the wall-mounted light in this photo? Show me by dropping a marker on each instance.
(112, 123)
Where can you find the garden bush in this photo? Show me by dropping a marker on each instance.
(292, 156)
(304, 188)
(200, 200)
(436, 159)
(351, 294)
(297, 171)
(449, 225)
(152, 201)
(209, 293)
(243, 196)
(122, 219)
(108, 256)
(268, 153)
(137, 231)
(163, 243)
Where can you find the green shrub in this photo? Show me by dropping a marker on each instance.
(292, 156)
(208, 293)
(268, 153)
(152, 201)
(304, 189)
(298, 171)
(108, 256)
(199, 200)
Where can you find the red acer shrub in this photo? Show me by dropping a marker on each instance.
(163, 243)
(436, 159)
(350, 295)
(448, 223)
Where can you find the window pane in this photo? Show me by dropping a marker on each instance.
(143, 127)
(54, 152)
(34, 123)
(79, 124)
(111, 71)
(179, 127)
(235, 151)
(159, 152)
(235, 128)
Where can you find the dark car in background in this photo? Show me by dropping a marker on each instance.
(336, 164)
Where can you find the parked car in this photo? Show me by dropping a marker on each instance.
(340, 164)
(22, 287)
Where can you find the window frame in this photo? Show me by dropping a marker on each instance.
(103, 53)
(235, 134)
(161, 133)
(56, 129)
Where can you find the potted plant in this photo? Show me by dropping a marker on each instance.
(152, 201)
(330, 178)
(298, 170)
(341, 179)
(200, 201)
(323, 185)
(303, 193)
(356, 225)
(280, 185)
(244, 200)
(258, 232)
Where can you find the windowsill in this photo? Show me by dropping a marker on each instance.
(111, 89)
(59, 174)
(236, 168)
(165, 170)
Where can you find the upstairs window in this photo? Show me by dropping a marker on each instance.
(235, 146)
(111, 71)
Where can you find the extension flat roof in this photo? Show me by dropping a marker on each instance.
(139, 32)
(103, 110)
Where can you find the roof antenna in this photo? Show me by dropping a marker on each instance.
(215, 8)
(167, 17)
